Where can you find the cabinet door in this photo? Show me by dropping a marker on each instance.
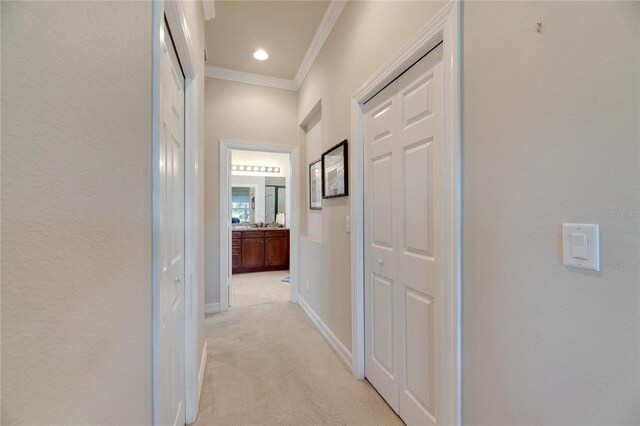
(276, 252)
(253, 252)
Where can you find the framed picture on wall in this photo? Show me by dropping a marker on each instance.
(315, 185)
(335, 173)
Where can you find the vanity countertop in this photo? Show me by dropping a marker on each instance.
(264, 228)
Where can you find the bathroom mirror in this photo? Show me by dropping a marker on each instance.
(258, 199)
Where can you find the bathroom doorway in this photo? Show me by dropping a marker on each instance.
(258, 233)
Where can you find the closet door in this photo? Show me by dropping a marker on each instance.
(420, 96)
(404, 241)
(381, 243)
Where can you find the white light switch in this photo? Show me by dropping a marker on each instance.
(581, 246)
(348, 224)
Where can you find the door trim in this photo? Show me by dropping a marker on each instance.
(226, 146)
(177, 22)
(443, 28)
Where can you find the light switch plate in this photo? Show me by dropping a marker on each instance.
(348, 224)
(581, 246)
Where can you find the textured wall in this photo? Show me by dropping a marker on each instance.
(367, 34)
(76, 212)
(550, 136)
(242, 112)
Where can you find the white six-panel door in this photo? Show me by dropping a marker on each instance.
(404, 241)
(172, 326)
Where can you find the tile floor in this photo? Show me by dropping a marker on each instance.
(257, 288)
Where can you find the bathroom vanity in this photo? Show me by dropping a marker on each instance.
(259, 249)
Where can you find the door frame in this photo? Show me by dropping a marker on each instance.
(226, 146)
(443, 28)
(194, 369)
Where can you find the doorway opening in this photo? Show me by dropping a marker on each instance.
(258, 235)
(259, 229)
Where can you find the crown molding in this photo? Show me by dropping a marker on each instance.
(209, 9)
(249, 78)
(324, 29)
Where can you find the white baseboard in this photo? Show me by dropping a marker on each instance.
(211, 308)
(203, 365)
(335, 343)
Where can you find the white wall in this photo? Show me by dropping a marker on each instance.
(241, 112)
(76, 210)
(365, 36)
(550, 136)
(76, 213)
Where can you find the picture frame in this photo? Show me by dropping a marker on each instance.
(335, 171)
(315, 185)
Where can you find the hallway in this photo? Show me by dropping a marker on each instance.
(268, 364)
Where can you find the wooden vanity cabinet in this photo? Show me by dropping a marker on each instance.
(254, 251)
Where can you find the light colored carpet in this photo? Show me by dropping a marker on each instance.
(268, 365)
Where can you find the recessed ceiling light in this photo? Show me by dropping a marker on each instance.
(261, 55)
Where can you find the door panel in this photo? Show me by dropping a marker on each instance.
(381, 346)
(420, 263)
(419, 368)
(404, 241)
(275, 253)
(252, 252)
(382, 309)
(381, 225)
(417, 202)
(172, 375)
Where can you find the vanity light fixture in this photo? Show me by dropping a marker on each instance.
(261, 169)
(261, 55)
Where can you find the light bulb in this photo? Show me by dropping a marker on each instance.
(261, 55)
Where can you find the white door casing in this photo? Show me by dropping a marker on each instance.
(404, 241)
(172, 232)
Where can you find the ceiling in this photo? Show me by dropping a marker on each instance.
(284, 29)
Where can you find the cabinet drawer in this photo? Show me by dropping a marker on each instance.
(275, 234)
(236, 234)
(236, 248)
(236, 262)
(252, 234)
